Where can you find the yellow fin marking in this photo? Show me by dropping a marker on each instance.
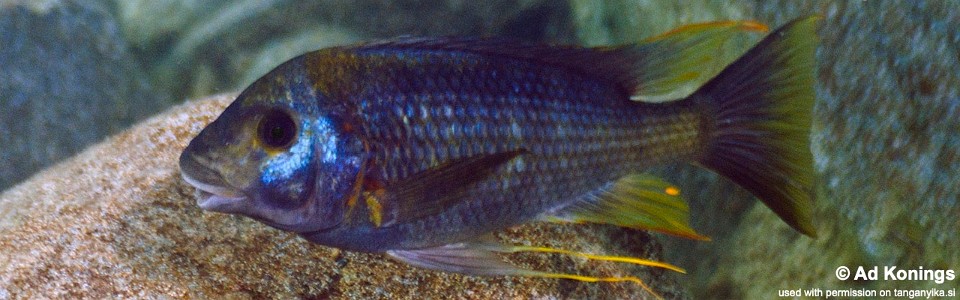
(741, 25)
(374, 207)
(754, 26)
(355, 193)
(598, 279)
(357, 189)
(623, 259)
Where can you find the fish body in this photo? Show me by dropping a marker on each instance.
(415, 146)
(573, 132)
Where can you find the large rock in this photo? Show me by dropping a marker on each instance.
(885, 141)
(67, 81)
(117, 221)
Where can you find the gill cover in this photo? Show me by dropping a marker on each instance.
(280, 146)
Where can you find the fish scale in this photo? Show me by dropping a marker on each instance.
(605, 135)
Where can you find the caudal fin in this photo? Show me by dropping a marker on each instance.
(760, 109)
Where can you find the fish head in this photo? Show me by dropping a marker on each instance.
(276, 156)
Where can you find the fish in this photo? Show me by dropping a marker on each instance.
(420, 148)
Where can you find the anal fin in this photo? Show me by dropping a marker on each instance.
(638, 201)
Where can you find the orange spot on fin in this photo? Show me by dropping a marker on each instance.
(672, 191)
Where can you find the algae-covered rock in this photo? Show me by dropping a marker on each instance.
(886, 141)
(277, 52)
(117, 221)
(195, 48)
(67, 80)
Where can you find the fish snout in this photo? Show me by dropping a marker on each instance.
(213, 192)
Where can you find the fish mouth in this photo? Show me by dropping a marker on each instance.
(213, 193)
(214, 197)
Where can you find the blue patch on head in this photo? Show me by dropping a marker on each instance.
(288, 164)
(328, 140)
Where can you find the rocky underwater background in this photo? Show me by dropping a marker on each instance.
(93, 205)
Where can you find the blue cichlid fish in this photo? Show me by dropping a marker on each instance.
(421, 147)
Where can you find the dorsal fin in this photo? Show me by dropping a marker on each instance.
(666, 67)
(676, 63)
(610, 63)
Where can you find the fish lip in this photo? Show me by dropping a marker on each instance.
(214, 197)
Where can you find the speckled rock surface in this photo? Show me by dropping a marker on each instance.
(886, 141)
(67, 80)
(116, 221)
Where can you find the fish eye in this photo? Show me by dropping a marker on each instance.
(277, 129)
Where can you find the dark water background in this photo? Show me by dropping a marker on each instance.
(886, 134)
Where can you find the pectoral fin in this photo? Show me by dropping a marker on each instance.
(636, 201)
(431, 191)
(481, 259)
